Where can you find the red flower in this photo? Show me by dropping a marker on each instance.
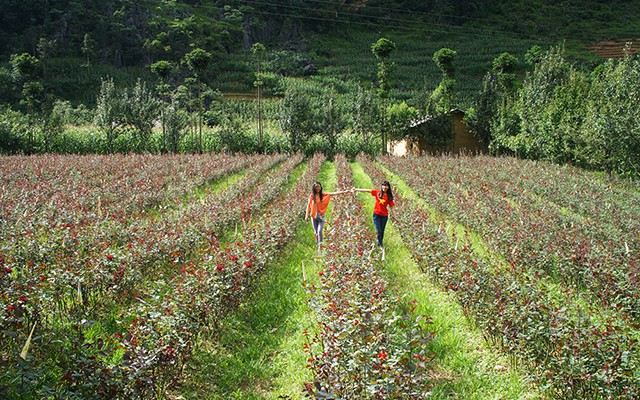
(109, 257)
(382, 355)
(219, 267)
(247, 264)
(234, 258)
(23, 299)
(42, 278)
(10, 307)
(8, 270)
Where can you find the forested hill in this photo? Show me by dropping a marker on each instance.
(137, 32)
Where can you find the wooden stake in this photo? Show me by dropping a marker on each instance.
(304, 272)
(79, 294)
(25, 349)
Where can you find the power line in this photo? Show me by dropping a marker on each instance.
(402, 23)
(417, 12)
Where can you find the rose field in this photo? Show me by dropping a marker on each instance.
(196, 277)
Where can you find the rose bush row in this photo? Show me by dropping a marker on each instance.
(369, 344)
(528, 229)
(49, 191)
(577, 353)
(108, 260)
(159, 340)
(144, 249)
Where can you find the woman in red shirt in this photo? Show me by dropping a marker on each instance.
(316, 207)
(384, 200)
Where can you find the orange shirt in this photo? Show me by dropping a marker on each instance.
(381, 204)
(313, 207)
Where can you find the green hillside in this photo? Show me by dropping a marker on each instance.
(333, 36)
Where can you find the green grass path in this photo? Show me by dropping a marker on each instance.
(259, 354)
(466, 368)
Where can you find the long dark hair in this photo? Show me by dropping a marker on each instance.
(389, 192)
(313, 190)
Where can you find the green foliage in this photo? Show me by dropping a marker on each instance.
(331, 123)
(13, 126)
(505, 128)
(25, 66)
(611, 128)
(289, 63)
(176, 121)
(444, 60)
(198, 60)
(141, 109)
(399, 117)
(317, 144)
(481, 117)
(162, 68)
(505, 63)
(7, 86)
(365, 114)
(109, 116)
(350, 145)
(533, 55)
(235, 137)
(442, 98)
(564, 115)
(297, 119)
(382, 49)
(275, 144)
(70, 115)
(33, 96)
(272, 84)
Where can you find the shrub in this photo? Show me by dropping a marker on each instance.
(70, 115)
(12, 126)
(274, 143)
(235, 137)
(351, 145)
(318, 144)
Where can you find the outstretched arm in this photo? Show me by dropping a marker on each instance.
(361, 190)
(339, 192)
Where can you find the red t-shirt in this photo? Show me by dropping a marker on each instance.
(381, 204)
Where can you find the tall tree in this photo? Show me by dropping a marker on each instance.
(45, 50)
(382, 50)
(163, 69)
(296, 117)
(141, 110)
(366, 116)
(258, 51)
(442, 98)
(198, 61)
(109, 115)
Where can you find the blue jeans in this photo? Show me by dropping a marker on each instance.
(317, 228)
(380, 223)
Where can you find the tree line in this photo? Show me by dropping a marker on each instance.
(563, 114)
(556, 111)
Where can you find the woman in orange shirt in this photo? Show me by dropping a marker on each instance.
(316, 207)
